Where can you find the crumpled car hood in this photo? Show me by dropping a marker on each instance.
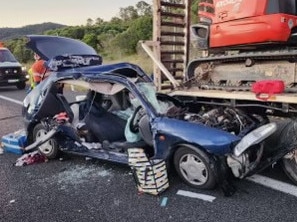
(213, 140)
(48, 47)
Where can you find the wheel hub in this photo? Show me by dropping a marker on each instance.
(46, 147)
(193, 169)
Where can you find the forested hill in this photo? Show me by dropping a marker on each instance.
(114, 39)
(12, 33)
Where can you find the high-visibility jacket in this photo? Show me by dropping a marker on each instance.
(31, 79)
(39, 71)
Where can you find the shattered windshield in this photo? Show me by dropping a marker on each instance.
(148, 90)
(6, 56)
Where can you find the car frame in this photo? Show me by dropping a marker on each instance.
(201, 154)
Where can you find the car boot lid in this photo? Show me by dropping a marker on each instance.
(48, 47)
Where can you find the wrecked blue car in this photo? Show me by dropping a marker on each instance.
(103, 111)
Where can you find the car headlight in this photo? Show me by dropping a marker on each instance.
(24, 68)
(254, 137)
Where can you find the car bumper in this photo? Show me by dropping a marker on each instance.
(12, 80)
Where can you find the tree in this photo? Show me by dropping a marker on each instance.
(18, 49)
(128, 13)
(99, 21)
(143, 8)
(91, 40)
(90, 22)
(120, 35)
(116, 20)
(140, 29)
(194, 11)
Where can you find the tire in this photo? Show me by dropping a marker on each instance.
(50, 149)
(21, 85)
(285, 136)
(193, 167)
(289, 165)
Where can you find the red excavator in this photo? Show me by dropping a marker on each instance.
(242, 23)
(246, 41)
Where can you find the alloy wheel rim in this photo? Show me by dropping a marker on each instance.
(193, 169)
(47, 147)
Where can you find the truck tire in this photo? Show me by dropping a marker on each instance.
(193, 167)
(50, 149)
(289, 165)
(21, 85)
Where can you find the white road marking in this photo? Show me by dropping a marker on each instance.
(262, 180)
(11, 100)
(274, 184)
(196, 195)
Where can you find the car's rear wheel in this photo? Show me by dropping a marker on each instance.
(193, 166)
(50, 149)
(21, 85)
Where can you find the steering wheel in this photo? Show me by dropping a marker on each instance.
(134, 127)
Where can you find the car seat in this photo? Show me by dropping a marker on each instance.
(119, 101)
(65, 106)
(75, 110)
(105, 126)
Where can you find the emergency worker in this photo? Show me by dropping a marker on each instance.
(31, 80)
(39, 70)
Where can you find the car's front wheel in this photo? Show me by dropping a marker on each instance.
(193, 166)
(50, 149)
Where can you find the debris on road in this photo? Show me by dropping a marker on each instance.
(30, 158)
(196, 195)
(150, 176)
(164, 202)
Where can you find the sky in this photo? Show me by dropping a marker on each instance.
(19, 13)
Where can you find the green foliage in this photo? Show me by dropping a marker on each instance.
(112, 39)
(140, 29)
(17, 47)
(128, 13)
(194, 11)
(91, 39)
(75, 32)
(13, 33)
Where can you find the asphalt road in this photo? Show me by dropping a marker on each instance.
(76, 189)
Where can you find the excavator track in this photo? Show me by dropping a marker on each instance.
(236, 72)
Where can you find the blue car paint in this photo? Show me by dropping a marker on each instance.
(48, 47)
(214, 141)
(176, 131)
(126, 69)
